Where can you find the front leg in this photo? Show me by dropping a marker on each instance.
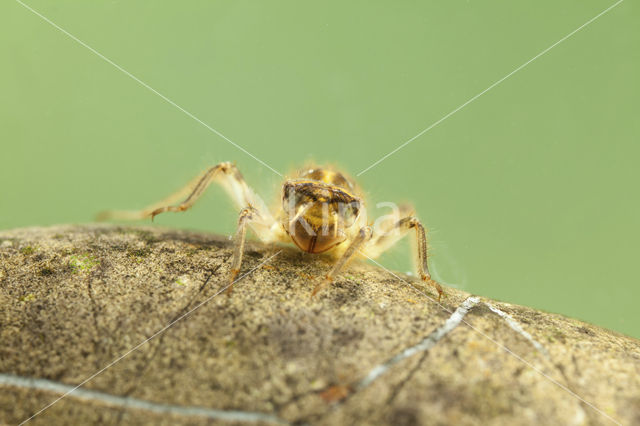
(364, 235)
(389, 235)
(247, 215)
(254, 212)
(229, 177)
(421, 237)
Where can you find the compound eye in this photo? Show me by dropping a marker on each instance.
(289, 197)
(293, 201)
(350, 213)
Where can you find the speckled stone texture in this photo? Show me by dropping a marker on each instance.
(75, 298)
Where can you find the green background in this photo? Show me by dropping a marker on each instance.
(530, 192)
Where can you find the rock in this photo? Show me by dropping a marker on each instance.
(139, 318)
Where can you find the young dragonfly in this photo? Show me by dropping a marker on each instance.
(321, 210)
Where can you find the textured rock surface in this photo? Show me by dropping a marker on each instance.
(74, 299)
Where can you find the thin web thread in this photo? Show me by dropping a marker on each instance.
(500, 345)
(489, 88)
(115, 361)
(189, 114)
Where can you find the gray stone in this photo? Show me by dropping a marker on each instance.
(373, 349)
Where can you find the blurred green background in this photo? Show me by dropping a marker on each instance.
(530, 192)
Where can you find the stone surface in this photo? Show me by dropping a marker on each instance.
(74, 299)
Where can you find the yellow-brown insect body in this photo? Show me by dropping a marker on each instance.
(320, 209)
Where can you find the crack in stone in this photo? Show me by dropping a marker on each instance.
(158, 344)
(136, 381)
(431, 340)
(427, 343)
(423, 346)
(572, 387)
(134, 403)
(514, 325)
(396, 390)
